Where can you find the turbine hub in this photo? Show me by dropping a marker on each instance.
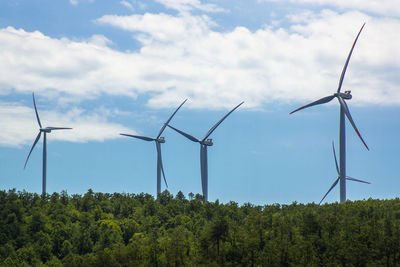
(346, 95)
(208, 142)
(161, 140)
(45, 130)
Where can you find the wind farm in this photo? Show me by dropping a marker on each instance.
(123, 77)
(206, 141)
(199, 133)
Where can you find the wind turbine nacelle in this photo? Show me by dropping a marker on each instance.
(161, 140)
(45, 130)
(208, 142)
(346, 95)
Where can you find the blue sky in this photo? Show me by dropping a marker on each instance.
(110, 67)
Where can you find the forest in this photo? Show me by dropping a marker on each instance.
(103, 229)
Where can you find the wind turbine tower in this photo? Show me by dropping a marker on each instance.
(158, 141)
(45, 131)
(344, 112)
(204, 143)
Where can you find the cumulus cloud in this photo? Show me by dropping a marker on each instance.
(268, 65)
(382, 7)
(19, 126)
(183, 56)
(161, 27)
(33, 61)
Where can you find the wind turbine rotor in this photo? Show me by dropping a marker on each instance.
(337, 180)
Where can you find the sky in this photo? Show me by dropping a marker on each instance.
(109, 67)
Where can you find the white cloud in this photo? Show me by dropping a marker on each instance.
(382, 7)
(182, 56)
(267, 65)
(161, 27)
(35, 62)
(19, 126)
(127, 5)
(99, 40)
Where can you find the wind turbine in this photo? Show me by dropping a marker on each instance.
(204, 143)
(158, 140)
(344, 111)
(338, 178)
(45, 131)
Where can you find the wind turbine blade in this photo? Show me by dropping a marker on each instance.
(139, 137)
(347, 60)
(34, 144)
(58, 128)
(348, 115)
(169, 119)
(159, 161)
(357, 180)
(37, 114)
(334, 154)
(219, 122)
(318, 102)
(333, 185)
(188, 136)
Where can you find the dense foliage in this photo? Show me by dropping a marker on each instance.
(100, 229)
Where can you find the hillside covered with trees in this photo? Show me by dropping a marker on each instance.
(101, 229)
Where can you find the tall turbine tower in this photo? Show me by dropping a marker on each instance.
(344, 111)
(158, 140)
(204, 143)
(45, 131)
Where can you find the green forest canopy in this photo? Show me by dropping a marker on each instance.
(102, 229)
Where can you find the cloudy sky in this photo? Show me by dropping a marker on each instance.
(109, 67)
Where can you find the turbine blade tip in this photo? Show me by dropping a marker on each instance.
(296, 110)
